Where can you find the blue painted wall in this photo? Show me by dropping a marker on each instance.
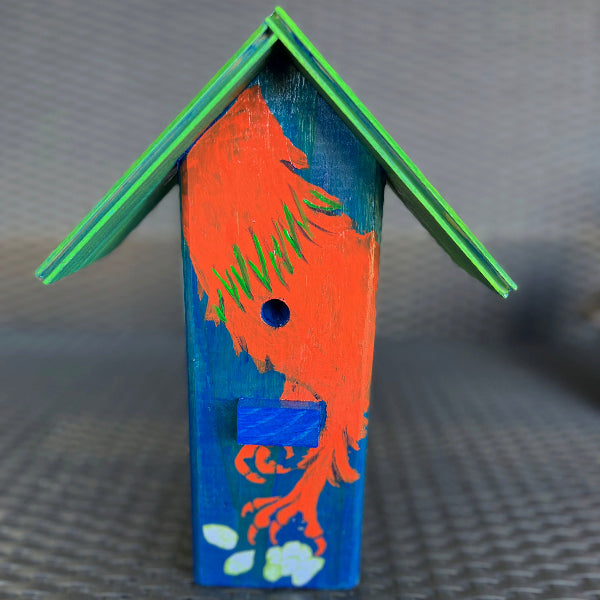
(340, 164)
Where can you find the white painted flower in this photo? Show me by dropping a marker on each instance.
(220, 536)
(307, 570)
(240, 562)
(294, 560)
(272, 572)
(292, 554)
(274, 555)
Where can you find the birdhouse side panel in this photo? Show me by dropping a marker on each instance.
(281, 245)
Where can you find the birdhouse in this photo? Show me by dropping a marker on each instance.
(281, 170)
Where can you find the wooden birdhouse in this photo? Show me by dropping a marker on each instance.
(281, 170)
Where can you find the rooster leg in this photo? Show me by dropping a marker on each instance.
(274, 513)
(263, 465)
(250, 507)
(308, 511)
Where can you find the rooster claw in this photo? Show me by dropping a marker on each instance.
(252, 531)
(321, 545)
(256, 504)
(263, 464)
(274, 528)
(276, 512)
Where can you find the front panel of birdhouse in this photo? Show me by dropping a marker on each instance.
(281, 218)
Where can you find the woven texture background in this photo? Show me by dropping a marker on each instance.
(484, 462)
(482, 481)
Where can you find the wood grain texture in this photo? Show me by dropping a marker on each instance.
(291, 193)
(274, 422)
(148, 179)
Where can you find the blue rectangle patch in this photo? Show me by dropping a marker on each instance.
(274, 422)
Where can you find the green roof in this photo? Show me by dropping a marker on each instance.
(144, 184)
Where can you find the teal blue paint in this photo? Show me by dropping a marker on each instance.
(334, 154)
(219, 377)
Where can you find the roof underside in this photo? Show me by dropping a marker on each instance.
(134, 195)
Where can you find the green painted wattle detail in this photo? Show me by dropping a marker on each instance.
(262, 273)
(242, 276)
(230, 287)
(304, 224)
(330, 205)
(220, 310)
(277, 255)
(281, 250)
(154, 173)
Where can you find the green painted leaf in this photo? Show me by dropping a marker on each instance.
(220, 536)
(240, 562)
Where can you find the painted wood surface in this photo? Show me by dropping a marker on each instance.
(275, 422)
(279, 200)
(151, 176)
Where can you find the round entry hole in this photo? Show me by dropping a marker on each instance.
(275, 313)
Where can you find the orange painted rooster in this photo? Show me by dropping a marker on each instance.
(257, 231)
